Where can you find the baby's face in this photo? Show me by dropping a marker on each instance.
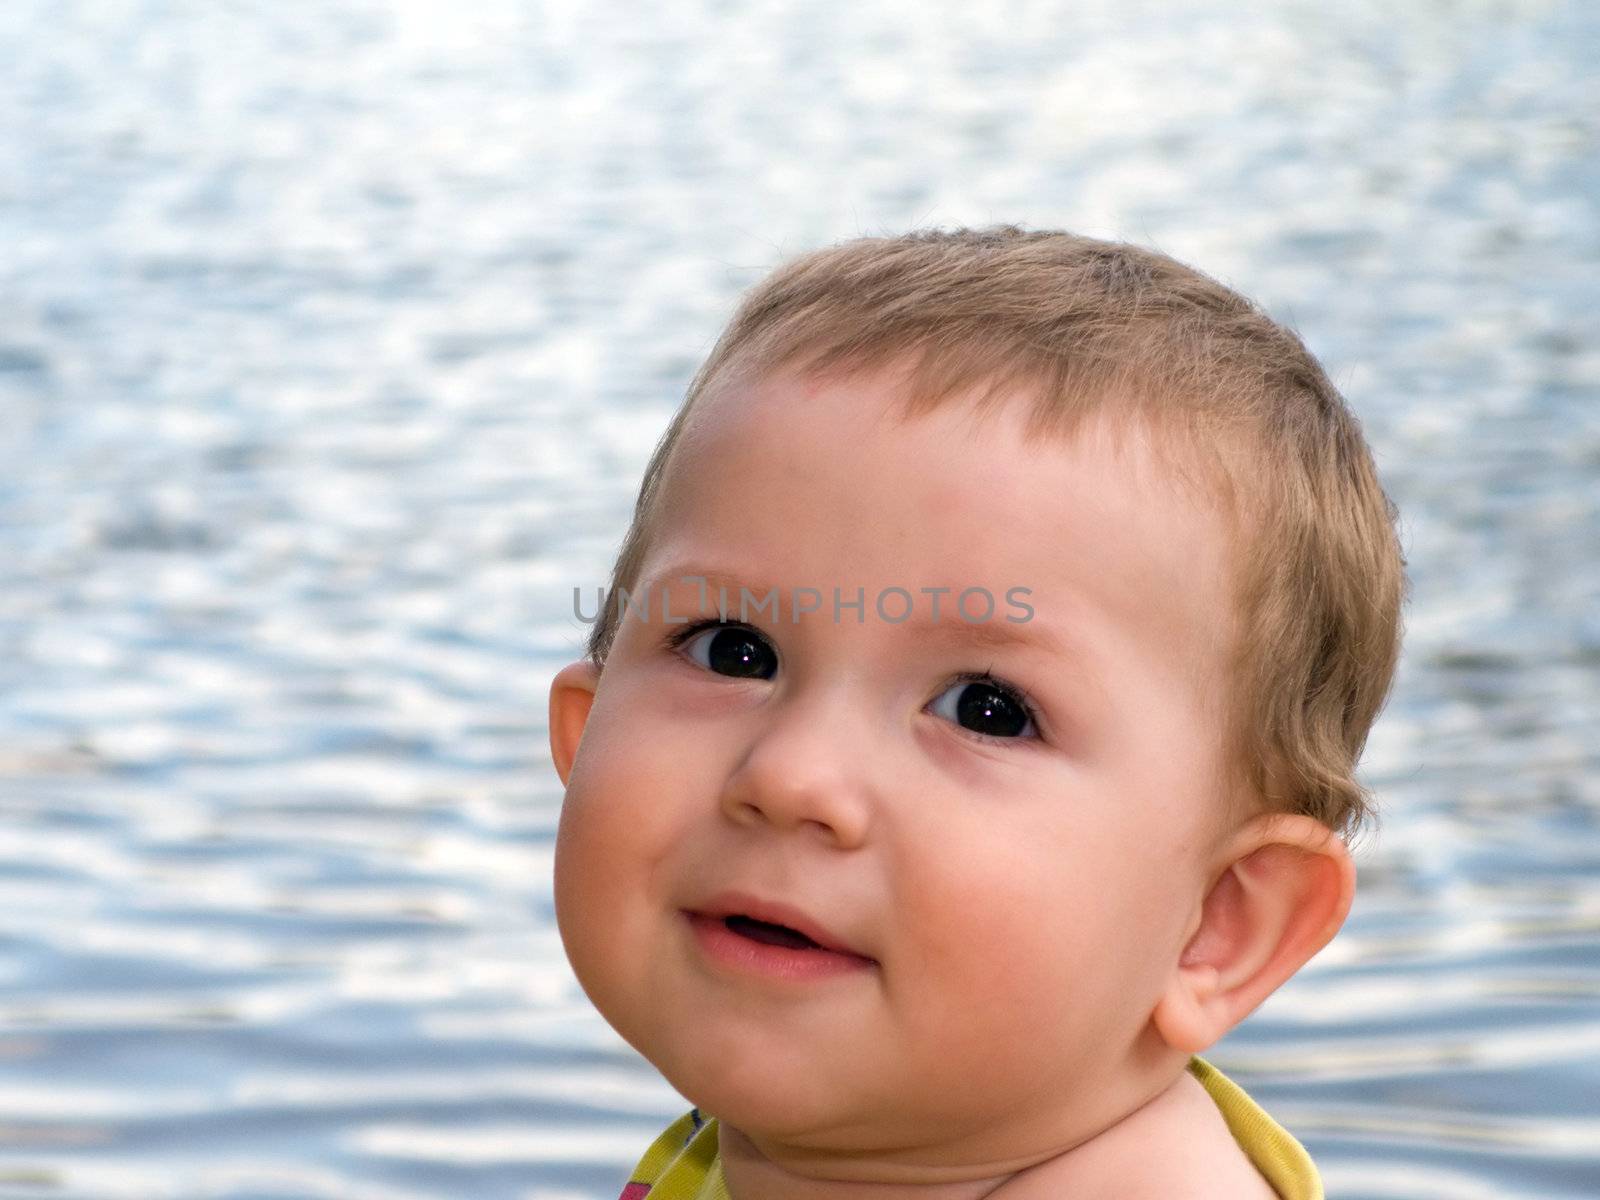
(1017, 883)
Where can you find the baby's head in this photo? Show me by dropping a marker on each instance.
(1008, 610)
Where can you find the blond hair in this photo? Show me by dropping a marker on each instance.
(1083, 326)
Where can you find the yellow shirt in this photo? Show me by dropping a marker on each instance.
(682, 1164)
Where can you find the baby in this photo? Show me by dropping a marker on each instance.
(967, 739)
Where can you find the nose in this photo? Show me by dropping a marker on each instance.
(805, 769)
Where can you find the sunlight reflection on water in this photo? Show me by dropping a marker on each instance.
(334, 350)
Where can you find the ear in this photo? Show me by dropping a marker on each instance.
(571, 697)
(1284, 892)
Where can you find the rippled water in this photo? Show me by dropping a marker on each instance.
(333, 344)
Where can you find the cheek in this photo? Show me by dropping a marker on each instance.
(991, 955)
(1029, 963)
(608, 844)
(583, 903)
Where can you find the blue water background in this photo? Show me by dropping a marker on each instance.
(332, 342)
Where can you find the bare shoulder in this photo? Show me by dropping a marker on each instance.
(1177, 1147)
(1228, 1180)
(1207, 1162)
(1161, 1182)
(1198, 1172)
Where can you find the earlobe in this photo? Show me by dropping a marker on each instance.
(1284, 892)
(572, 694)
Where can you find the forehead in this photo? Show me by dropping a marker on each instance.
(815, 482)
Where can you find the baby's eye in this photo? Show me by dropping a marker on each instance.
(735, 650)
(985, 706)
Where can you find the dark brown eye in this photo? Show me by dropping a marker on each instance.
(985, 708)
(734, 650)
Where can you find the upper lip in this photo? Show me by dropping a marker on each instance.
(773, 912)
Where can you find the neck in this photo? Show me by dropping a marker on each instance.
(1098, 1163)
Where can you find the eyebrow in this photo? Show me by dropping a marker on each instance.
(951, 627)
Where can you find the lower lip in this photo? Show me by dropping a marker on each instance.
(743, 954)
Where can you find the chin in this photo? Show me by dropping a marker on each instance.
(750, 1095)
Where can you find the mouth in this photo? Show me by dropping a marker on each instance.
(754, 921)
(750, 947)
(769, 933)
